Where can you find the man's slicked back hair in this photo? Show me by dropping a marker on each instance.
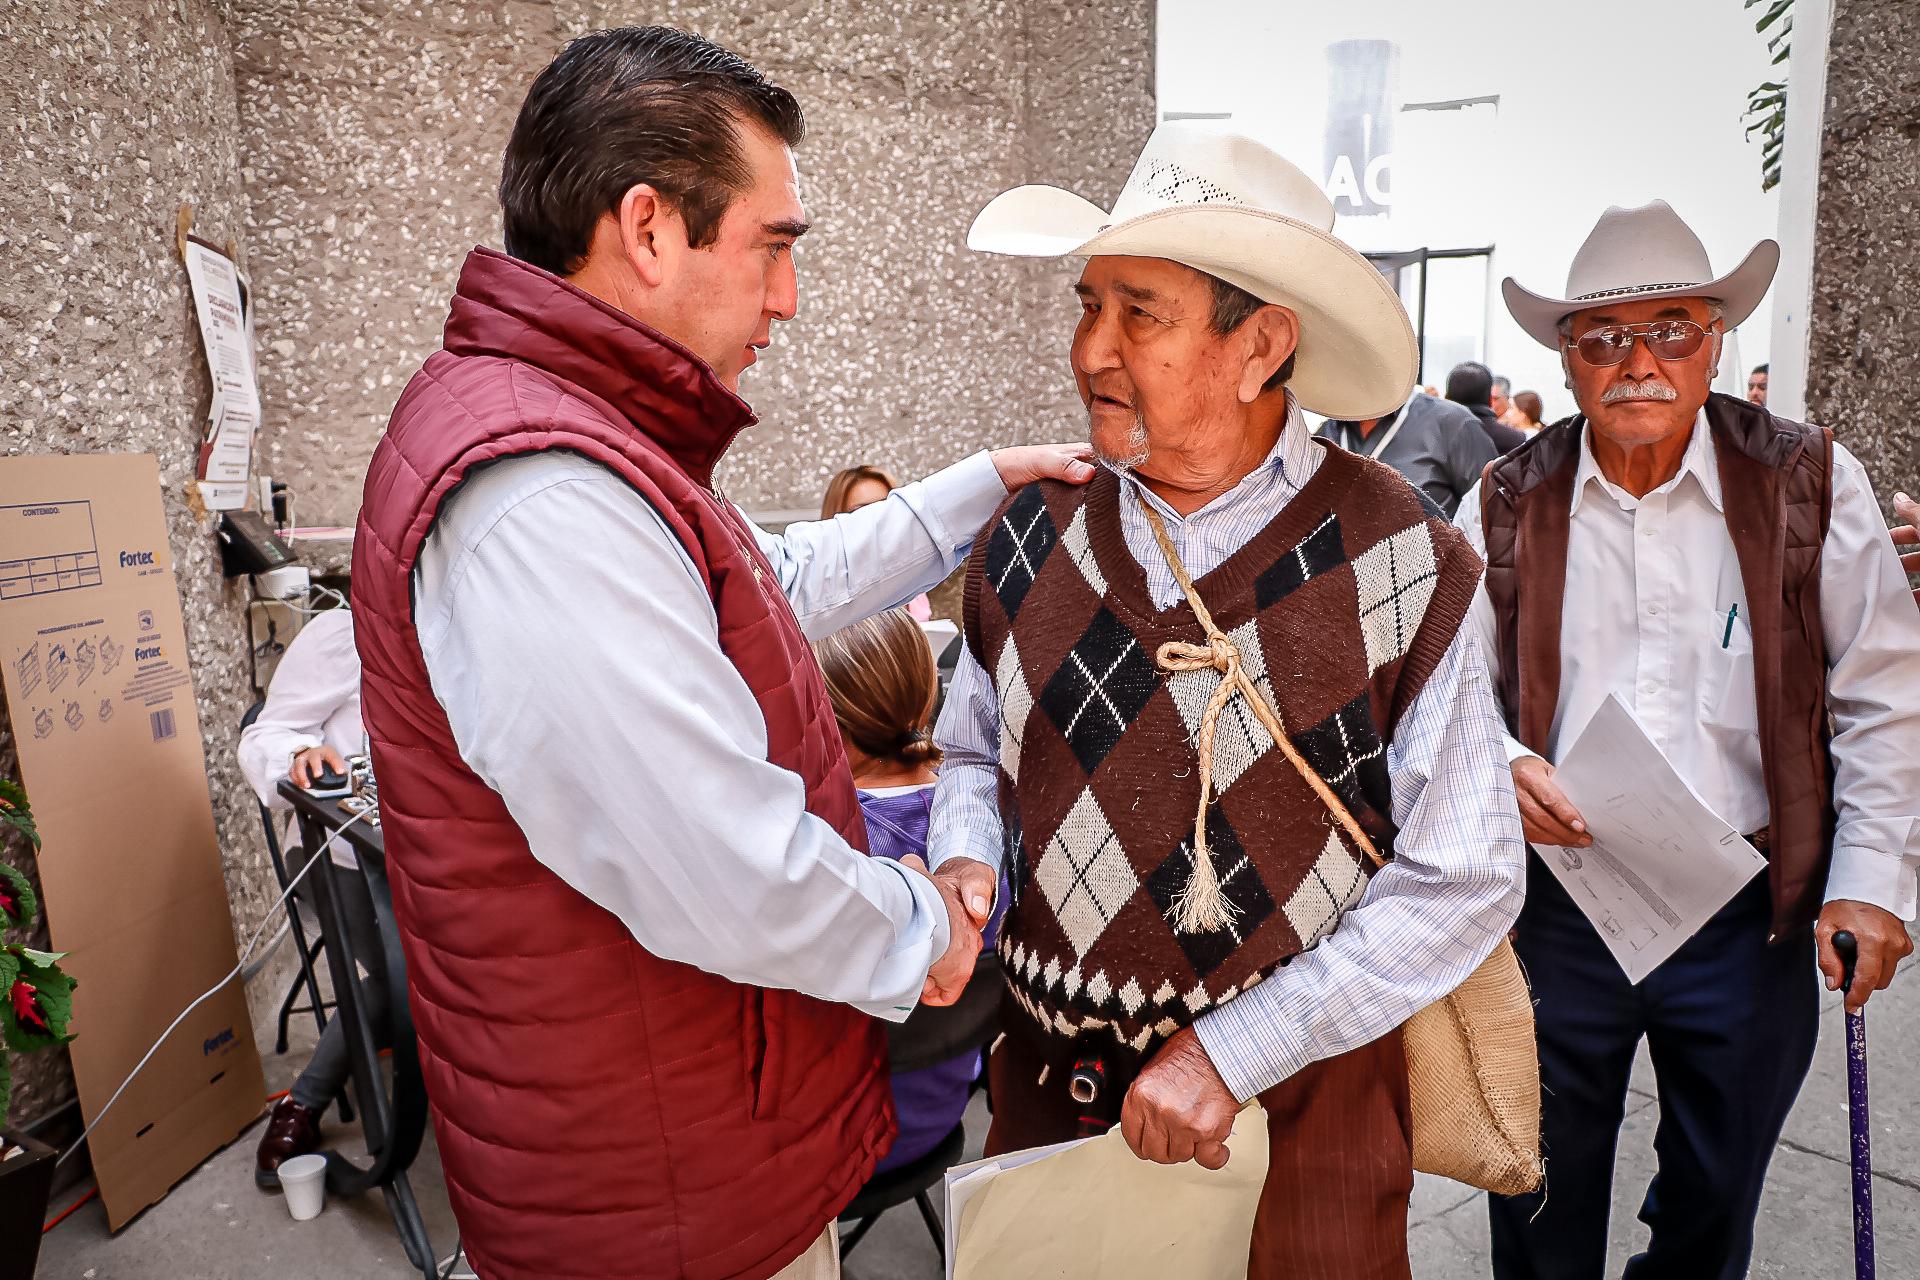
(628, 106)
(1470, 383)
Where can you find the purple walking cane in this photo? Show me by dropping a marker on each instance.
(1849, 952)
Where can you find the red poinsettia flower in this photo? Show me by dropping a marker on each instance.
(9, 900)
(26, 1007)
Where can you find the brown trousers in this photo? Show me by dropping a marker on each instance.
(1340, 1142)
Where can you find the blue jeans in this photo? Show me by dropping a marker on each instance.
(328, 1071)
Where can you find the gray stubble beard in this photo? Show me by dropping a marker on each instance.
(1138, 447)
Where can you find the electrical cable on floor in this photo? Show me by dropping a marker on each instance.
(254, 969)
(67, 1212)
(210, 991)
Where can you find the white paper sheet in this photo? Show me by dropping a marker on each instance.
(226, 451)
(1661, 862)
(1092, 1210)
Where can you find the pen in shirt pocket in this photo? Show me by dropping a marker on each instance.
(1726, 638)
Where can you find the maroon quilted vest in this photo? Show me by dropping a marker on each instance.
(600, 1111)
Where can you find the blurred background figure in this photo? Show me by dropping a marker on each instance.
(861, 486)
(1501, 398)
(1470, 383)
(1757, 385)
(1435, 445)
(880, 676)
(1527, 411)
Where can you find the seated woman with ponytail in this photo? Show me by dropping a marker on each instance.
(880, 676)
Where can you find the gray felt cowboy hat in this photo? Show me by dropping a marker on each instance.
(1232, 208)
(1638, 254)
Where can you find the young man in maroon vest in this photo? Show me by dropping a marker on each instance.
(1727, 575)
(627, 861)
(1181, 948)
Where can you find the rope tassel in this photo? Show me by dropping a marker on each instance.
(1202, 905)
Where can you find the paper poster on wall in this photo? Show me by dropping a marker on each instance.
(94, 661)
(226, 332)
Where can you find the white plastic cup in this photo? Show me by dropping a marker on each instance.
(304, 1179)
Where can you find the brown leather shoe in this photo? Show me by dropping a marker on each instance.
(292, 1130)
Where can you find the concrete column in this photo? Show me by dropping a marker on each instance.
(1863, 359)
(116, 114)
(373, 136)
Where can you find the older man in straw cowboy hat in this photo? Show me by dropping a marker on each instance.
(1170, 969)
(1728, 576)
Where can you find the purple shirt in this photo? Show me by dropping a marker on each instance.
(932, 1100)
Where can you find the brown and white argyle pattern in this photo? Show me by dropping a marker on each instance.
(1340, 609)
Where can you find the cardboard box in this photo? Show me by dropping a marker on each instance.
(102, 706)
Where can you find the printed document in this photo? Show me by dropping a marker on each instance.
(1092, 1209)
(1661, 862)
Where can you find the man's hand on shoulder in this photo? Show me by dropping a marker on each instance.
(1179, 1108)
(1906, 535)
(1882, 939)
(1021, 465)
(948, 976)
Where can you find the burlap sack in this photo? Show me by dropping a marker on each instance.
(1474, 1072)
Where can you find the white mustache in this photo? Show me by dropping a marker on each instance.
(1651, 389)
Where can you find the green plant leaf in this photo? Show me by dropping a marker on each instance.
(15, 812)
(36, 1008)
(6, 1087)
(18, 904)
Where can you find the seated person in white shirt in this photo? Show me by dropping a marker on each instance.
(1728, 576)
(310, 723)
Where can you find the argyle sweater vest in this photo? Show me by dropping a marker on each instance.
(1341, 608)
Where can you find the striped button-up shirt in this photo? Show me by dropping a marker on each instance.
(1425, 921)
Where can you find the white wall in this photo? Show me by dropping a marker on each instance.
(1643, 101)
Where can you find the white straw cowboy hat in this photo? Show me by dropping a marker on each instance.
(1632, 255)
(1232, 208)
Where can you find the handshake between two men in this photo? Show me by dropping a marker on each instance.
(967, 887)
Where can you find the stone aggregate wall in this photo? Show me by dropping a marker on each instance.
(111, 115)
(1863, 356)
(372, 136)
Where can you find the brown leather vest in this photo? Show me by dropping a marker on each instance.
(1777, 496)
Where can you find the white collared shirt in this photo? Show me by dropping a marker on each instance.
(1426, 920)
(1650, 585)
(313, 700)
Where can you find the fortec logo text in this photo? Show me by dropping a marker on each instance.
(134, 559)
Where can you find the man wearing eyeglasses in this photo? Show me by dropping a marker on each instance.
(1728, 575)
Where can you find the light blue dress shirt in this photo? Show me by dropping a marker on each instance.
(577, 655)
